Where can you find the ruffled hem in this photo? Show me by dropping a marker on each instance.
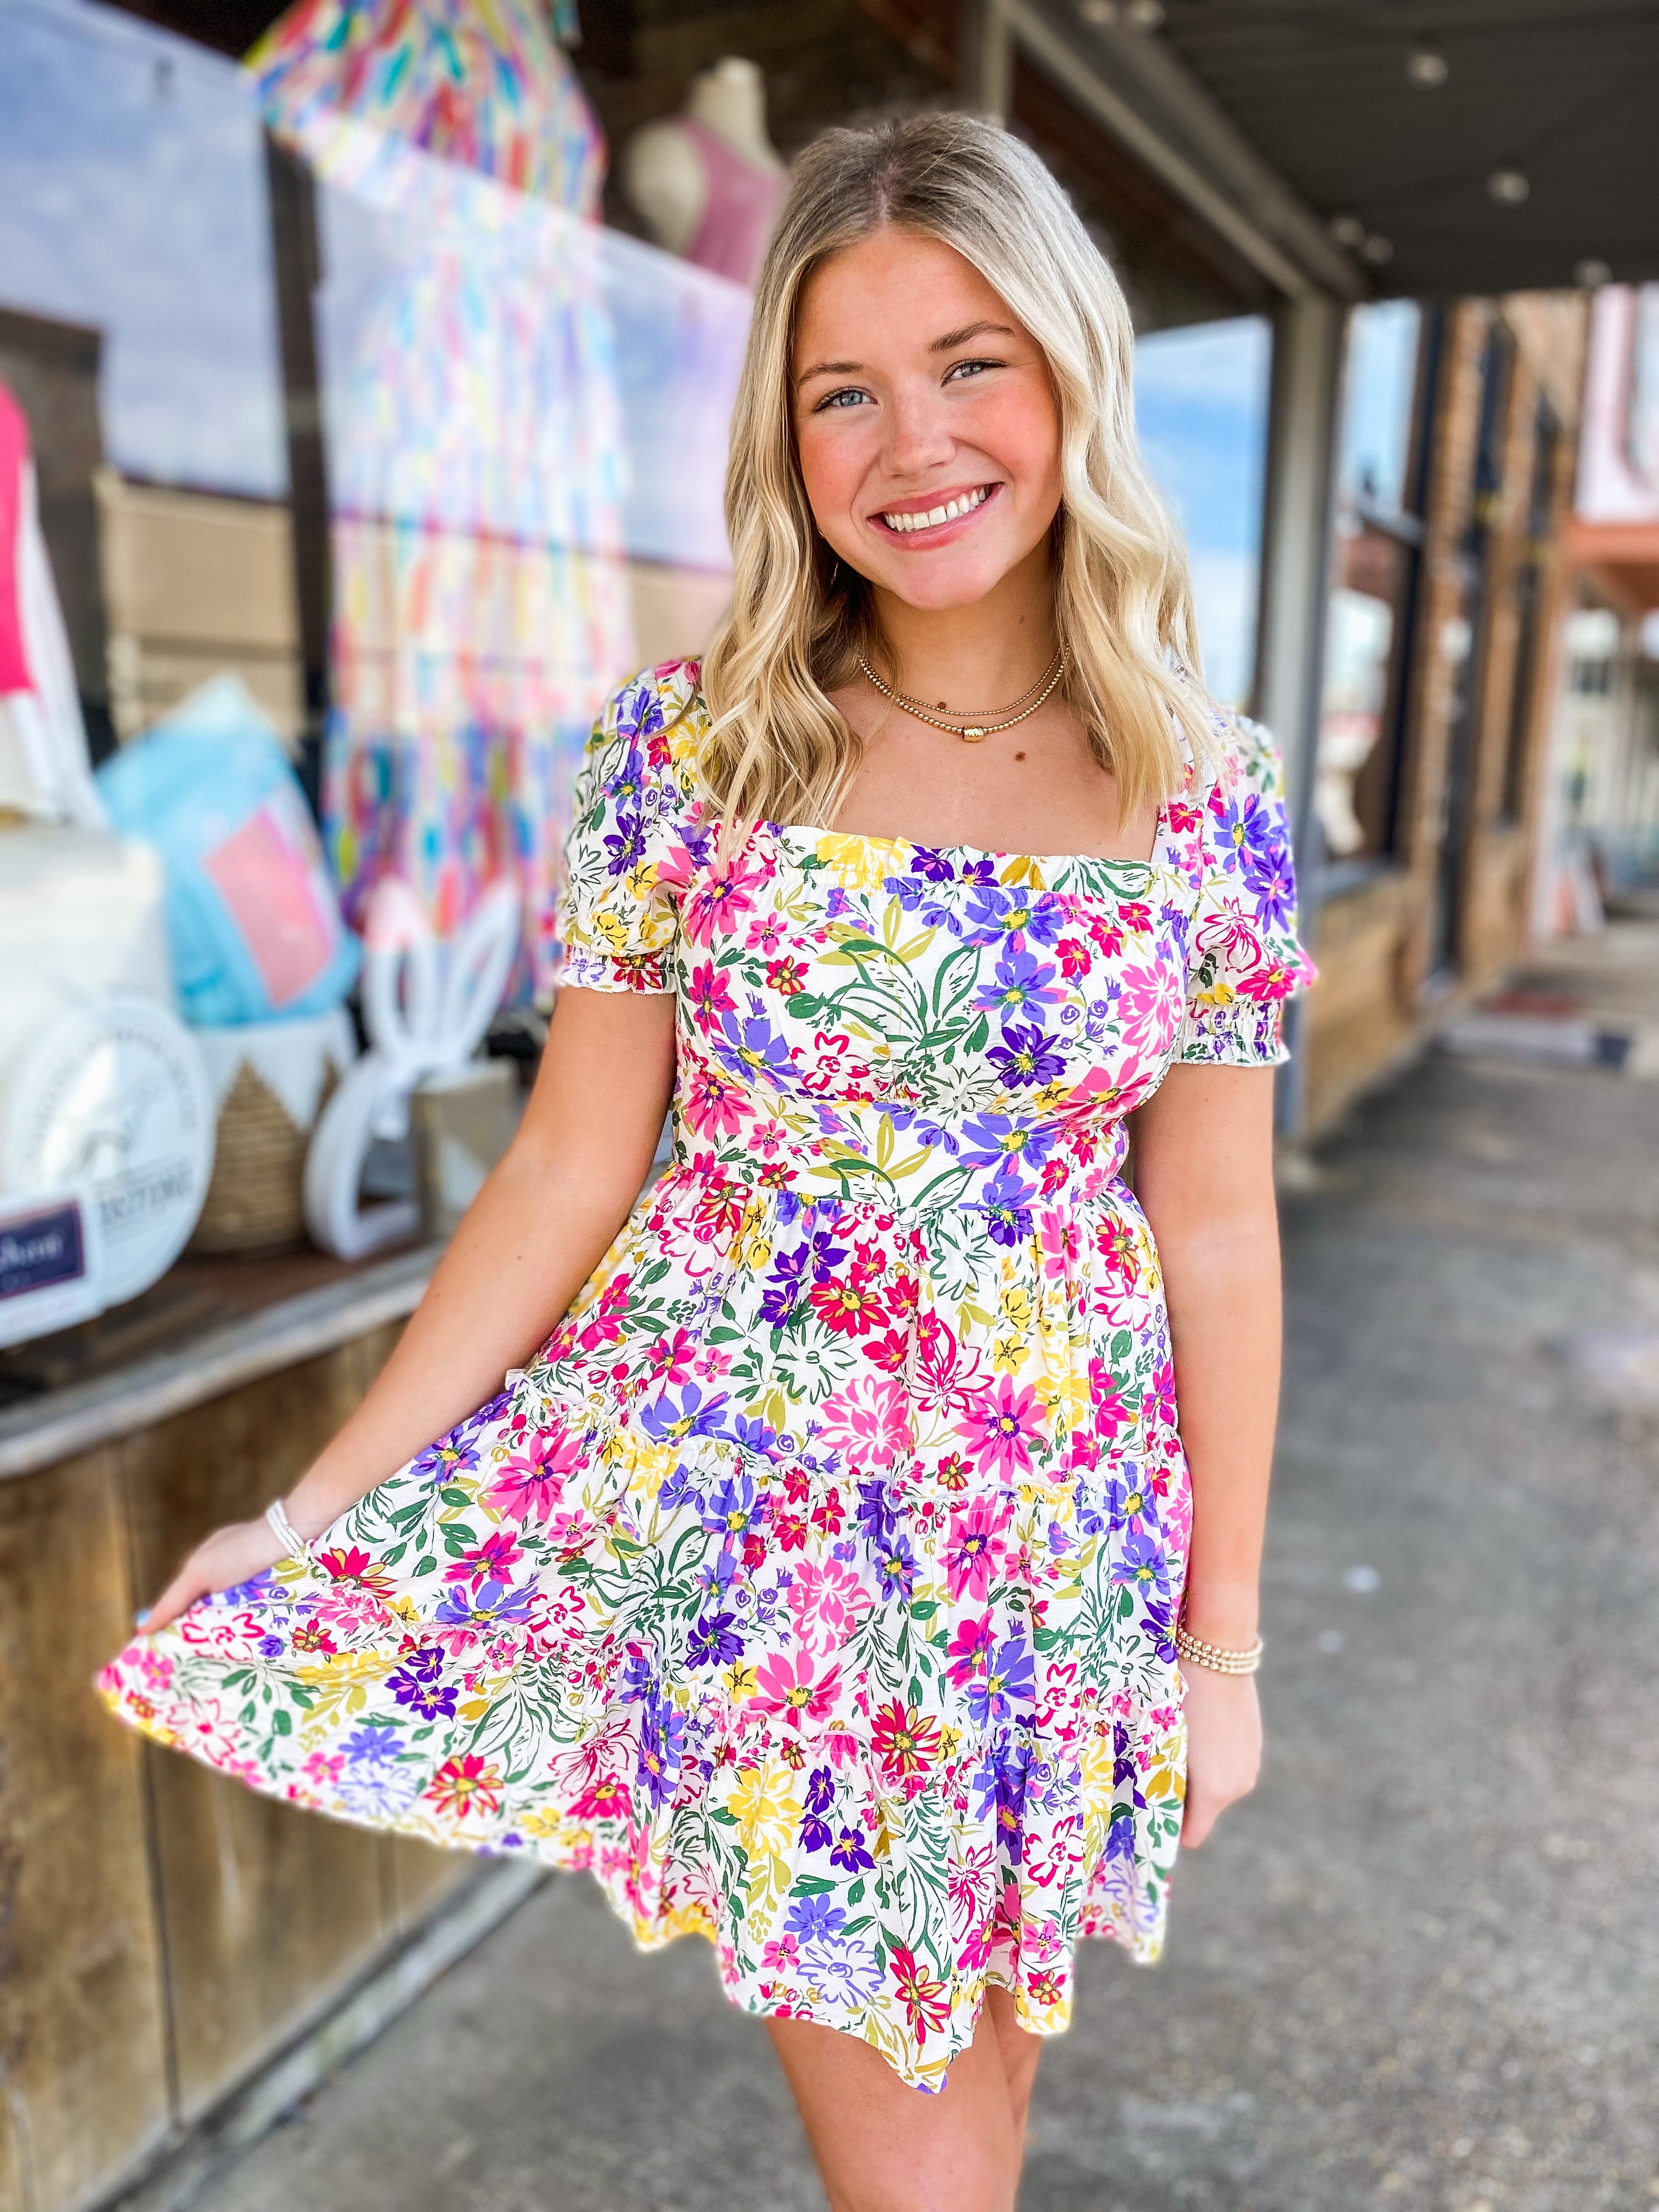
(918, 2021)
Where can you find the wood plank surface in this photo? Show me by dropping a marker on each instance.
(267, 1912)
(84, 2062)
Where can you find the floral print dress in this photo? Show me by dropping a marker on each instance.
(815, 1585)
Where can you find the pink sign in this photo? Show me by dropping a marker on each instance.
(266, 883)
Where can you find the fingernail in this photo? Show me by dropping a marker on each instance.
(139, 1619)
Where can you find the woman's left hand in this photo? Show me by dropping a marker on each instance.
(1223, 1748)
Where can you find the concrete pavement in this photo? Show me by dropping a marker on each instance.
(1421, 1968)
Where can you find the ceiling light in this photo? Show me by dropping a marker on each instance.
(1146, 15)
(1100, 13)
(1347, 229)
(1376, 250)
(1589, 276)
(1425, 66)
(1508, 187)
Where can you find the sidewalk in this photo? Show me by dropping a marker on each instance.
(1420, 1969)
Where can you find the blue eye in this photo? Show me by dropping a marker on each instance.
(965, 368)
(848, 395)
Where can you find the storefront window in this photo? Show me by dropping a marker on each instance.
(1378, 535)
(1202, 404)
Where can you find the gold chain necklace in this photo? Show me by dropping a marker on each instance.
(974, 729)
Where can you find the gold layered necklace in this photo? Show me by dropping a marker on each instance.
(973, 728)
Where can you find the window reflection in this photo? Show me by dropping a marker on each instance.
(1378, 536)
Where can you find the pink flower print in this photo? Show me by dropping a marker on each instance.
(710, 996)
(827, 1602)
(533, 1481)
(766, 935)
(1230, 936)
(970, 1649)
(782, 1956)
(670, 1358)
(788, 1686)
(1062, 1245)
(868, 1419)
(1001, 1427)
(715, 905)
(713, 1103)
(1150, 1007)
(324, 1768)
(1273, 979)
(943, 1375)
(492, 1561)
(154, 1665)
(975, 1549)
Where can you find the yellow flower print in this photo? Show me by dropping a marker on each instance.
(762, 1799)
(864, 862)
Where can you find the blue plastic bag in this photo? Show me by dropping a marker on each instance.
(254, 921)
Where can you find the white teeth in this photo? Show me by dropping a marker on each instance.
(964, 503)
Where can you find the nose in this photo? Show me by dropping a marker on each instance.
(918, 435)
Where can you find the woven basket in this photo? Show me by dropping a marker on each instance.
(253, 1199)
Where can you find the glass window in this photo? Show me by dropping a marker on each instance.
(1378, 536)
(1202, 404)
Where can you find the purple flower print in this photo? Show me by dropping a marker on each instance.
(1007, 1203)
(875, 1512)
(816, 1834)
(753, 1436)
(416, 1684)
(844, 1968)
(1010, 1680)
(1130, 1501)
(990, 1139)
(639, 1678)
(625, 845)
(1144, 1563)
(639, 709)
(1001, 1783)
(372, 1747)
(458, 1452)
(731, 1511)
(814, 1918)
(998, 910)
(493, 1606)
(932, 864)
(1025, 1057)
(851, 1853)
(713, 1642)
(1021, 981)
(783, 1287)
(751, 1048)
(670, 1421)
(895, 1563)
(662, 1738)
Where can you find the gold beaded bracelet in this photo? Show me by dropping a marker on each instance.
(1215, 1656)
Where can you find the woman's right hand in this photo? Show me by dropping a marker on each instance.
(229, 1556)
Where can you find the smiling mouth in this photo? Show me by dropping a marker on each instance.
(909, 524)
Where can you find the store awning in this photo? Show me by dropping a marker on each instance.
(1457, 146)
(1622, 558)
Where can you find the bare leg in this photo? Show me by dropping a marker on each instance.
(883, 2146)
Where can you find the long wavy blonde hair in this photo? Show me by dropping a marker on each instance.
(779, 750)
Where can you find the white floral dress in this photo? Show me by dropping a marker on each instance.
(814, 1587)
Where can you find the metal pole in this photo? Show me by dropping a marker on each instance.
(1303, 425)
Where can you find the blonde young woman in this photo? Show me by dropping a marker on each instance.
(833, 1575)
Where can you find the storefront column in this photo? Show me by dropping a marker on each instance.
(985, 40)
(1302, 424)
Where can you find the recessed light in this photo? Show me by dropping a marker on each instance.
(1508, 187)
(1376, 250)
(1425, 67)
(1100, 13)
(1347, 229)
(1146, 15)
(1589, 275)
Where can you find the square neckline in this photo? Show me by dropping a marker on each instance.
(1158, 859)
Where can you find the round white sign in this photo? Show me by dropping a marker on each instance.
(113, 1096)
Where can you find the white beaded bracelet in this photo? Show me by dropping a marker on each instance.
(1217, 1656)
(294, 1545)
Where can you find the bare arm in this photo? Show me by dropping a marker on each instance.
(1204, 1176)
(532, 1237)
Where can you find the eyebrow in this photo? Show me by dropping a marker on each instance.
(948, 344)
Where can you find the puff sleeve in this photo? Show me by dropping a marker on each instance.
(633, 841)
(1244, 959)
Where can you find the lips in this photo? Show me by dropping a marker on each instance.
(908, 522)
